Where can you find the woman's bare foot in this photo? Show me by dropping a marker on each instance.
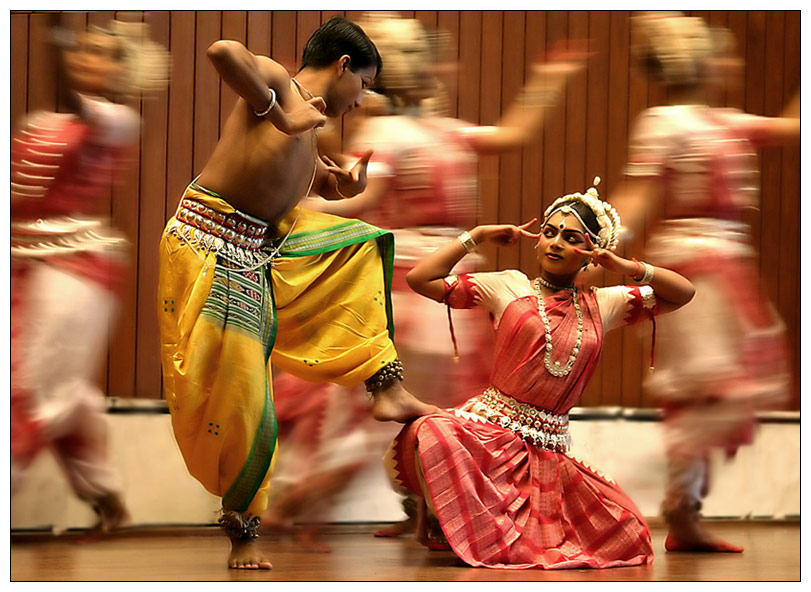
(686, 534)
(399, 528)
(245, 554)
(307, 538)
(112, 515)
(696, 540)
(394, 403)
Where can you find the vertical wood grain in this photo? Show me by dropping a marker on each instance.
(494, 50)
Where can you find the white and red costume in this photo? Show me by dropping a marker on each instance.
(723, 355)
(495, 468)
(67, 265)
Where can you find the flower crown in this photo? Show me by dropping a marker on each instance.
(607, 217)
(679, 45)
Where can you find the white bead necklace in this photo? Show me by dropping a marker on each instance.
(555, 368)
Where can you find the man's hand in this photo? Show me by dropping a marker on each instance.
(349, 183)
(302, 119)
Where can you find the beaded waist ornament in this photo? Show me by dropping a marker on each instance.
(64, 236)
(236, 237)
(534, 426)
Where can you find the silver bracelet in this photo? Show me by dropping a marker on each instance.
(467, 241)
(648, 275)
(270, 105)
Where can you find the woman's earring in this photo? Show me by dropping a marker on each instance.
(536, 246)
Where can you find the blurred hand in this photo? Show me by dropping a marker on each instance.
(565, 59)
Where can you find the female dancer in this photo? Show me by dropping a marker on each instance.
(493, 472)
(723, 356)
(67, 263)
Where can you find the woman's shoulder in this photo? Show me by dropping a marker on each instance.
(507, 282)
(504, 277)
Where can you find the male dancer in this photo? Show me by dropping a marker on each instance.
(245, 272)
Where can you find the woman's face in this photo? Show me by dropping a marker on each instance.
(560, 237)
(94, 64)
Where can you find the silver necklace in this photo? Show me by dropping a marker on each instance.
(298, 84)
(552, 286)
(555, 368)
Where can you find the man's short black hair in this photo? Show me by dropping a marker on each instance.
(337, 37)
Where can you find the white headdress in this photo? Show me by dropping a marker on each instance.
(606, 216)
(672, 46)
(146, 63)
(404, 46)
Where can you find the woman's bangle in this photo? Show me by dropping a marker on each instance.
(270, 106)
(467, 241)
(647, 276)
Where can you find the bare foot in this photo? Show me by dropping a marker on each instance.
(112, 515)
(699, 543)
(395, 530)
(397, 404)
(306, 536)
(245, 554)
(686, 534)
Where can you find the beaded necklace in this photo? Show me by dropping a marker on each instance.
(555, 368)
(552, 286)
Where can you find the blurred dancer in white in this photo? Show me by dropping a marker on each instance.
(423, 186)
(692, 168)
(68, 264)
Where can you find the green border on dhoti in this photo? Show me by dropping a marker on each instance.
(347, 233)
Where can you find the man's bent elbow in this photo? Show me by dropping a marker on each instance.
(221, 50)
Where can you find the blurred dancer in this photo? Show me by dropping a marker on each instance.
(68, 264)
(326, 440)
(423, 185)
(493, 472)
(693, 169)
(244, 273)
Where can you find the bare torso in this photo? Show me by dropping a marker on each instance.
(258, 169)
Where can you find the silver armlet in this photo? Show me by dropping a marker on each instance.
(467, 241)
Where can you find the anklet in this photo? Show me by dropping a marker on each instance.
(239, 527)
(385, 377)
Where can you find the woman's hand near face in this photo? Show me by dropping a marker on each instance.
(427, 277)
(672, 290)
(503, 234)
(608, 260)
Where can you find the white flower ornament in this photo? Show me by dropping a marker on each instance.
(607, 217)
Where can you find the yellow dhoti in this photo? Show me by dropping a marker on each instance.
(319, 303)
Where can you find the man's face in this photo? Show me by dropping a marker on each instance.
(347, 91)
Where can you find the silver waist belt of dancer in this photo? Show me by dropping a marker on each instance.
(237, 237)
(533, 425)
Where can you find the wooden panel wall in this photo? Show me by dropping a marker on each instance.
(584, 137)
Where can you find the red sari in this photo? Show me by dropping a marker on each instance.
(502, 501)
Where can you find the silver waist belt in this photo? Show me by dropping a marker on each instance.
(533, 425)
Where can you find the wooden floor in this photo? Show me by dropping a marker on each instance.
(772, 554)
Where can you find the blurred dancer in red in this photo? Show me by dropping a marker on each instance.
(692, 168)
(423, 186)
(67, 263)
